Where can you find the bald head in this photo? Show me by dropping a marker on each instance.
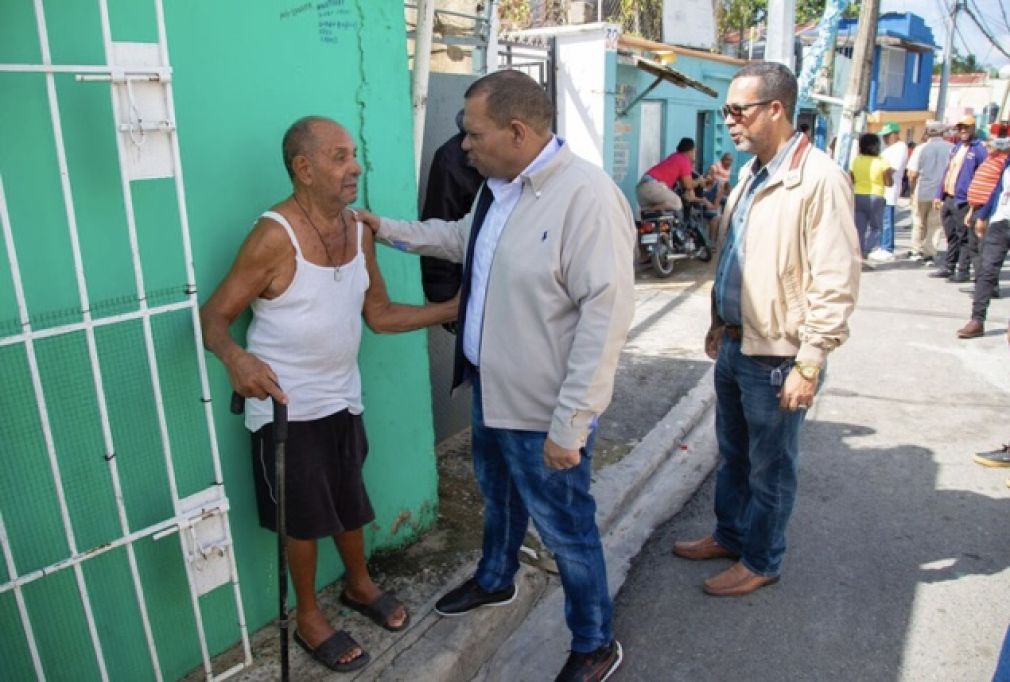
(301, 139)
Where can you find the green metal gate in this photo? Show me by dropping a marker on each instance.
(108, 442)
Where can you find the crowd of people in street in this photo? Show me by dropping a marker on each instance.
(960, 186)
(963, 186)
(545, 241)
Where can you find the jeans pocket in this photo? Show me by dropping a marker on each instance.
(776, 366)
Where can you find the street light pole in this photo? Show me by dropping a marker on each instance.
(859, 78)
(948, 58)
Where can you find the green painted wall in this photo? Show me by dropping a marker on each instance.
(242, 72)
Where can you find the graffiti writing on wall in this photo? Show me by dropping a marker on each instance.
(295, 11)
(622, 133)
(333, 17)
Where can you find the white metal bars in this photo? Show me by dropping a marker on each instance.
(88, 325)
(180, 192)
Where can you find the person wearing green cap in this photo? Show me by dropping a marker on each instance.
(896, 154)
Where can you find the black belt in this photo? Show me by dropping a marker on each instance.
(733, 331)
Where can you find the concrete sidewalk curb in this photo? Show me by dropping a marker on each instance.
(618, 486)
(473, 647)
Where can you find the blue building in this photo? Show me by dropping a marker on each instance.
(902, 71)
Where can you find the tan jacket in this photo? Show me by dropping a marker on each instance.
(801, 258)
(560, 297)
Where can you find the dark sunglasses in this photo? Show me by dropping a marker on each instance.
(738, 110)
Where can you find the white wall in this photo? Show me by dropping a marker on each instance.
(690, 23)
(581, 97)
(971, 99)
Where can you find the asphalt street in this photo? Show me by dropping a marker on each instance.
(898, 565)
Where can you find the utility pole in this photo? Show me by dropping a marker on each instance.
(948, 58)
(780, 40)
(422, 69)
(859, 78)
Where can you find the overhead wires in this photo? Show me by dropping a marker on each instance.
(981, 27)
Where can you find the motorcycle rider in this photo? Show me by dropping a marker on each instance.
(656, 189)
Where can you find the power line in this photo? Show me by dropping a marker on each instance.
(985, 31)
(957, 31)
(945, 12)
(1002, 10)
(990, 20)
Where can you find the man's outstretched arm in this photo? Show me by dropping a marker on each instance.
(445, 239)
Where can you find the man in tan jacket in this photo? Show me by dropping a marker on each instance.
(545, 304)
(786, 283)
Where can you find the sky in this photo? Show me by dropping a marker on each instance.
(988, 11)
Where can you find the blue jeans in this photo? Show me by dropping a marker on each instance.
(1002, 673)
(887, 237)
(869, 217)
(755, 486)
(517, 485)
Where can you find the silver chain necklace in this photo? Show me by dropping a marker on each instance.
(337, 275)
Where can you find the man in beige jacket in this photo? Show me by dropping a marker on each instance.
(545, 304)
(786, 283)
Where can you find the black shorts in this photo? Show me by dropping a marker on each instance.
(324, 487)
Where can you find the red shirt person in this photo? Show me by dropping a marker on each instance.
(656, 188)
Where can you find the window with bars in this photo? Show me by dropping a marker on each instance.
(891, 77)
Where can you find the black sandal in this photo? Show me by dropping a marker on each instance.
(333, 649)
(379, 611)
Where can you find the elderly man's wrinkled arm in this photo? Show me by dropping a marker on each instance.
(383, 316)
(259, 261)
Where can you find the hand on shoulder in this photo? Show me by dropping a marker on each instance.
(370, 220)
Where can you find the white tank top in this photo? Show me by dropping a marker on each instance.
(310, 336)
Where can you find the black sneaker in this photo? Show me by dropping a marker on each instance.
(994, 458)
(942, 273)
(470, 596)
(595, 666)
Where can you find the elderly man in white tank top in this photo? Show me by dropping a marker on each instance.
(308, 272)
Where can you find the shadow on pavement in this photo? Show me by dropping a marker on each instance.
(868, 529)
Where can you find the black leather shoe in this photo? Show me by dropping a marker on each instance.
(943, 272)
(958, 278)
(470, 596)
(595, 666)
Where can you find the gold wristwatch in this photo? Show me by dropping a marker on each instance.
(807, 370)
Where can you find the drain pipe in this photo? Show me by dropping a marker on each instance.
(422, 68)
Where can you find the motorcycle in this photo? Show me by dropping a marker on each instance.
(664, 237)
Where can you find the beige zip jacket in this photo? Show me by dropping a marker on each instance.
(801, 259)
(560, 297)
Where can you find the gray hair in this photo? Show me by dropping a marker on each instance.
(777, 83)
(512, 95)
(299, 140)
